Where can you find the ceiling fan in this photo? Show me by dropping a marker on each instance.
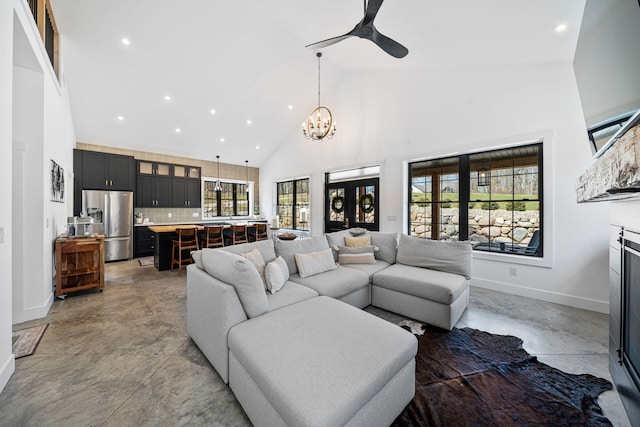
(366, 30)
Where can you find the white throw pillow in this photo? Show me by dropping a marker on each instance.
(364, 255)
(256, 259)
(315, 263)
(276, 274)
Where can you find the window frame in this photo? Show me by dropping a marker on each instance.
(237, 187)
(295, 205)
(464, 195)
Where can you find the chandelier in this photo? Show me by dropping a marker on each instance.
(320, 123)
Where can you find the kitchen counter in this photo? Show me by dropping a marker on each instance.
(205, 222)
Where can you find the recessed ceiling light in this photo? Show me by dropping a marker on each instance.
(290, 107)
(178, 130)
(561, 27)
(120, 118)
(248, 122)
(221, 139)
(212, 111)
(167, 98)
(257, 147)
(125, 41)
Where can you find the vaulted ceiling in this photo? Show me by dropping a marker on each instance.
(247, 61)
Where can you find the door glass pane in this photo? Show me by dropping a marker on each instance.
(285, 204)
(336, 205)
(365, 204)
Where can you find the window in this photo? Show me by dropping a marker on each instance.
(233, 200)
(492, 199)
(293, 204)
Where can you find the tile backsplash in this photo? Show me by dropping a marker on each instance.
(161, 215)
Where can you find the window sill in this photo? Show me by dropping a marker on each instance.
(542, 262)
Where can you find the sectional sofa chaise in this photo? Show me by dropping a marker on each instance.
(281, 322)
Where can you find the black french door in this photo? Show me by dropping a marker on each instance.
(351, 204)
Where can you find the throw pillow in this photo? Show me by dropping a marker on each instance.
(256, 259)
(388, 244)
(315, 263)
(357, 231)
(276, 273)
(347, 255)
(450, 257)
(357, 242)
(288, 248)
(240, 273)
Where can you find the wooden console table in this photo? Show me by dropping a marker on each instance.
(79, 264)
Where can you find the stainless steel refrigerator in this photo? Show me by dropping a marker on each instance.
(115, 210)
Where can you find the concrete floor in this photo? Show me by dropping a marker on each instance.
(123, 357)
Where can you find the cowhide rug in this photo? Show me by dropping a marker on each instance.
(468, 377)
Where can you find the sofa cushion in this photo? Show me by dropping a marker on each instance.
(315, 262)
(450, 257)
(240, 273)
(433, 285)
(291, 293)
(364, 255)
(264, 246)
(334, 283)
(387, 244)
(369, 269)
(256, 259)
(336, 239)
(276, 273)
(323, 361)
(288, 248)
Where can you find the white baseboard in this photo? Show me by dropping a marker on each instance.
(33, 313)
(7, 369)
(558, 298)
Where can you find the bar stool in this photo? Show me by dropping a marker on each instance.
(259, 232)
(213, 236)
(187, 240)
(237, 234)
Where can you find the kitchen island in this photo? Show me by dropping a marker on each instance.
(165, 234)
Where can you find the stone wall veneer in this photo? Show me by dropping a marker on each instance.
(617, 169)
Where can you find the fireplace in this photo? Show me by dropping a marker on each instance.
(624, 346)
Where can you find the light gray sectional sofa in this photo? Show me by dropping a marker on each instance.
(305, 355)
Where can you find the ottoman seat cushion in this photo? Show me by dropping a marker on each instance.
(428, 284)
(320, 361)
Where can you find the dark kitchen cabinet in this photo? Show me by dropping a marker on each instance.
(153, 191)
(182, 171)
(185, 193)
(103, 171)
(146, 167)
(144, 241)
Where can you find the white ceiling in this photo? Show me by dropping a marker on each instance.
(247, 60)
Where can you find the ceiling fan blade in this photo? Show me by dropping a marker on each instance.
(390, 46)
(328, 42)
(372, 10)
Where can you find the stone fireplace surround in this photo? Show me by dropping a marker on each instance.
(615, 177)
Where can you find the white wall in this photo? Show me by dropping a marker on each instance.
(390, 118)
(7, 363)
(36, 127)
(606, 60)
(42, 131)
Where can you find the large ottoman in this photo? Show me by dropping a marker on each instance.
(321, 362)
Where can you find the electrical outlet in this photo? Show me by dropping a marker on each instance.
(391, 218)
(169, 214)
(1, 234)
(195, 214)
(513, 271)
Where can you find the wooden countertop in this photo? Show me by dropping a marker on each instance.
(172, 228)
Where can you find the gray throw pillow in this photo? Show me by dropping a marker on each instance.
(336, 239)
(450, 257)
(240, 273)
